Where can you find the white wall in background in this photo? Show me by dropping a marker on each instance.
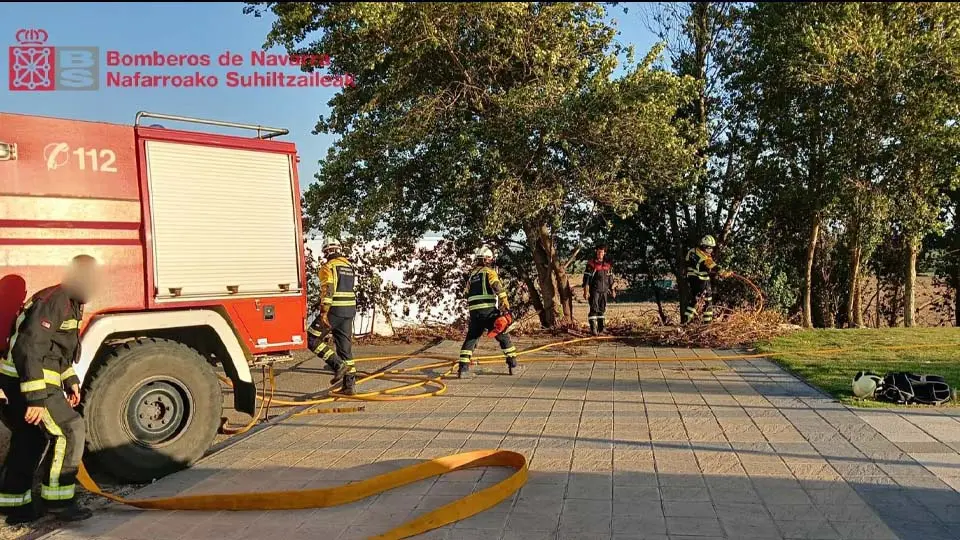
(402, 314)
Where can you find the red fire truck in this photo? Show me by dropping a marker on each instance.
(199, 236)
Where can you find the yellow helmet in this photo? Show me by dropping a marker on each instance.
(708, 241)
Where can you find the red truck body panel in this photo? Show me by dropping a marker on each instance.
(78, 187)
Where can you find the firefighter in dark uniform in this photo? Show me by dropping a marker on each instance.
(597, 284)
(487, 301)
(700, 270)
(34, 375)
(338, 308)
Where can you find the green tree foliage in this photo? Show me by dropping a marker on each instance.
(818, 142)
(485, 121)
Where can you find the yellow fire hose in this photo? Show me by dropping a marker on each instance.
(450, 513)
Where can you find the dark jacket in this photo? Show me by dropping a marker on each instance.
(598, 276)
(44, 343)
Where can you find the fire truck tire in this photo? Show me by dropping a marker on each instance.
(152, 407)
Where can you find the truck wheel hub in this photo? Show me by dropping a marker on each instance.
(157, 412)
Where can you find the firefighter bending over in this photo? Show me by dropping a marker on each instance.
(700, 269)
(597, 284)
(38, 369)
(338, 307)
(484, 292)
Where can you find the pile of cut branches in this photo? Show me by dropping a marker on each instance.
(733, 329)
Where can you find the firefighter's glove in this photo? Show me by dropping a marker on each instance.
(725, 274)
(325, 319)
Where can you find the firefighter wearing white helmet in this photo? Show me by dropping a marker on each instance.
(701, 268)
(487, 301)
(338, 307)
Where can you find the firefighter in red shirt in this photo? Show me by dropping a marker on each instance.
(597, 284)
(34, 375)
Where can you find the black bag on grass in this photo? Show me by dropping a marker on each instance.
(908, 388)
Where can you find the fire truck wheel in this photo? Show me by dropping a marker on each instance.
(152, 407)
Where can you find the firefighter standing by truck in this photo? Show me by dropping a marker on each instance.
(489, 312)
(701, 268)
(338, 307)
(38, 368)
(597, 284)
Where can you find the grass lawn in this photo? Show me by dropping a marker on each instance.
(833, 372)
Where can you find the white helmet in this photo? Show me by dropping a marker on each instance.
(331, 244)
(483, 253)
(865, 384)
(708, 241)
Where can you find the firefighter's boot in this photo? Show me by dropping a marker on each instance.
(600, 324)
(21, 515)
(463, 370)
(340, 372)
(71, 512)
(593, 327)
(349, 384)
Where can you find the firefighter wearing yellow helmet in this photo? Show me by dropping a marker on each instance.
(487, 301)
(338, 307)
(700, 270)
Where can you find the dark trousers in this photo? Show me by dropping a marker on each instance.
(700, 289)
(341, 327)
(62, 430)
(598, 307)
(481, 322)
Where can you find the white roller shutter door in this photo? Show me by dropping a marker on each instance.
(221, 218)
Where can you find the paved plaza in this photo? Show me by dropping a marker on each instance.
(681, 448)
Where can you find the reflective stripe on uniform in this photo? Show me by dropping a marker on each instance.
(9, 500)
(338, 298)
(61, 493)
(510, 352)
(483, 299)
(16, 330)
(465, 355)
(70, 324)
(49, 377)
(314, 332)
(68, 373)
(59, 450)
(8, 369)
(32, 386)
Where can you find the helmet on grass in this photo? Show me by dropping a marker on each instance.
(865, 384)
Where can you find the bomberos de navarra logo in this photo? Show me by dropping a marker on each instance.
(36, 66)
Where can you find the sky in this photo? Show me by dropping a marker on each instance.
(195, 28)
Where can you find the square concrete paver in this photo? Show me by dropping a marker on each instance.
(683, 447)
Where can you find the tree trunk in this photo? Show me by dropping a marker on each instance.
(858, 301)
(702, 37)
(909, 284)
(657, 296)
(808, 272)
(853, 296)
(956, 294)
(557, 267)
(541, 261)
(679, 265)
